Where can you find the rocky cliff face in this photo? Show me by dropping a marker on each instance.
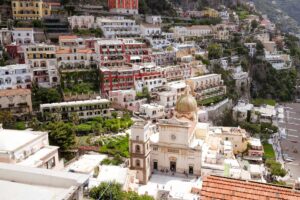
(285, 13)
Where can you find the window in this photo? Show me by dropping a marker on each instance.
(137, 163)
(51, 163)
(137, 148)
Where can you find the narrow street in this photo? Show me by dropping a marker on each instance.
(290, 139)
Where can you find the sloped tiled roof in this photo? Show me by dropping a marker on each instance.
(217, 188)
(14, 92)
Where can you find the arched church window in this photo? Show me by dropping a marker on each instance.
(137, 163)
(137, 148)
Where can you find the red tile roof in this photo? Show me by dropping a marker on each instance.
(14, 92)
(67, 37)
(215, 187)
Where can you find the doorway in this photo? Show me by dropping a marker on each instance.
(191, 170)
(173, 166)
(155, 165)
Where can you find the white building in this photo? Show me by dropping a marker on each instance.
(150, 84)
(153, 19)
(126, 99)
(5, 37)
(118, 27)
(86, 164)
(177, 72)
(267, 114)
(152, 111)
(252, 48)
(16, 101)
(81, 22)
(84, 109)
(241, 111)
(167, 99)
(279, 61)
(22, 183)
(192, 31)
(177, 86)
(42, 60)
(159, 42)
(23, 35)
(162, 58)
(123, 176)
(15, 76)
(207, 86)
(28, 148)
(150, 29)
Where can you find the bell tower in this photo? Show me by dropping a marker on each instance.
(139, 148)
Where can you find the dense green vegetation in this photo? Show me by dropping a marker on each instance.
(61, 134)
(144, 94)
(80, 81)
(228, 81)
(211, 100)
(264, 130)
(41, 95)
(242, 13)
(215, 51)
(115, 146)
(269, 83)
(259, 101)
(293, 44)
(100, 125)
(268, 151)
(89, 32)
(156, 7)
(113, 191)
(275, 168)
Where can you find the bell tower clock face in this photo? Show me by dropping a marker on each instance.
(173, 137)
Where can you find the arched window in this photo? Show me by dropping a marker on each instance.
(137, 148)
(137, 163)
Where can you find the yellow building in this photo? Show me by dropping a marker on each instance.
(30, 9)
(212, 13)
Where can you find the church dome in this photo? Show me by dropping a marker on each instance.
(186, 103)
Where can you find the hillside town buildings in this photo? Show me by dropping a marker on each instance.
(81, 22)
(30, 10)
(152, 93)
(126, 6)
(118, 27)
(183, 145)
(16, 76)
(16, 101)
(84, 109)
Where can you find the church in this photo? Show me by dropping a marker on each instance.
(183, 145)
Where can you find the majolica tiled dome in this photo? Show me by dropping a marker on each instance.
(186, 103)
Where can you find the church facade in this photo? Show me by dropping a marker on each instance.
(176, 145)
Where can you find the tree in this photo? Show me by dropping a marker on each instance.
(114, 115)
(6, 118)
(254, 24)
(44, 95)
(34, 123)
(275, 168)
(215, 51)
(74, 118)
(114, 191)
(61, 134)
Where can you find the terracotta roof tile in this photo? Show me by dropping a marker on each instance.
(13, 92)
(215, 187)
(65, 37)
